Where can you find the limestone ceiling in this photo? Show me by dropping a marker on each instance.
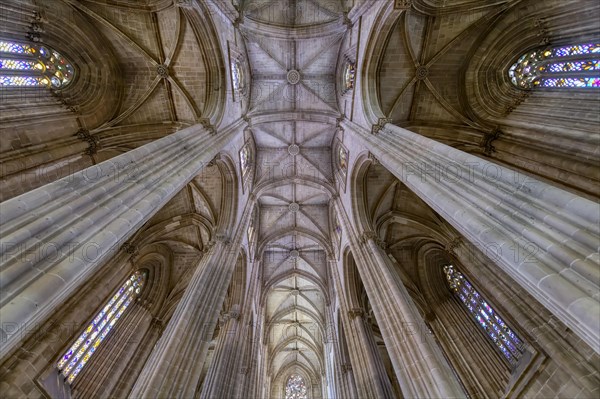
(420, 79)
(293, 47)
(157, 83)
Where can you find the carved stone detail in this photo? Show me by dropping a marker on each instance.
(163, 71)
(356, 312)
(93, 142)
(487, 141)
(373, 159)
(205, 122)
(422, 72)
(129, 247)
(293, 77)
(402, 4)
(368, 235)
(380, 124)
(453, 244)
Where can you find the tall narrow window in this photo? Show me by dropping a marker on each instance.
(295, 388)
(245, 160)
(575, 66)
(73, 361)
(342, 160)
(349, 75)
(33, 65)
(509, 344)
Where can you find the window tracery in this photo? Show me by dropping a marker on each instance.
(33, 65)
(295, 388)
(509, 344)
(75, 358)
(575, 66)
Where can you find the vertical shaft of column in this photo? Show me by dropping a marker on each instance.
(340, 379)
(363, 334)
(174, 367)
(55, 237)
(221, 379)
(418, 361)
(419, 365)
(542, 236)
(369, 372)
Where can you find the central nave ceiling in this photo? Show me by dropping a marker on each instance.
(293, 48)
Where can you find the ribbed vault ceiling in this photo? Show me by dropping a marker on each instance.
(293, 48)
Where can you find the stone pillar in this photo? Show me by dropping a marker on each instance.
(173, 369)
(56, 237)
(362, 333)
(545, 238)
(369, 372)
(222, 377)
(340, 370)
(419, 365)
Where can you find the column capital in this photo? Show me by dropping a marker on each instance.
(371, 235)
(206, 123)
(356, 312)
(130, 248)
(376, 128)
(373, 159)
(453, 244)
(368, 235)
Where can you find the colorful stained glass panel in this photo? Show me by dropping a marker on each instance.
(575, 66)
(295, 388)
(503, 337)
(80, 352)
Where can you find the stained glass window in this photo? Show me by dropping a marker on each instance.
(342, 159)
(569, 66)
(349, 72)
(295, 388)
(245, 160)
(236, 75)
(33, 65)
(76, 357)
(509, 344)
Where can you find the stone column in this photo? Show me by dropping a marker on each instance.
(174, 367)
(57, 236)
(545, 238)
(419, 364)
(341, 372)
(369, 372)
(222, 377)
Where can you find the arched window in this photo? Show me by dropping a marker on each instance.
(295, 388)
(349, 74)
(33, 65)
(570, 66)
(342, 159)
(73, 361)
(509, 344)
(237, 75)
(246, 160)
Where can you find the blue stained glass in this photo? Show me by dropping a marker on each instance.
(86, 344)
(32, 65)
(560, 67)
(503, 337)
